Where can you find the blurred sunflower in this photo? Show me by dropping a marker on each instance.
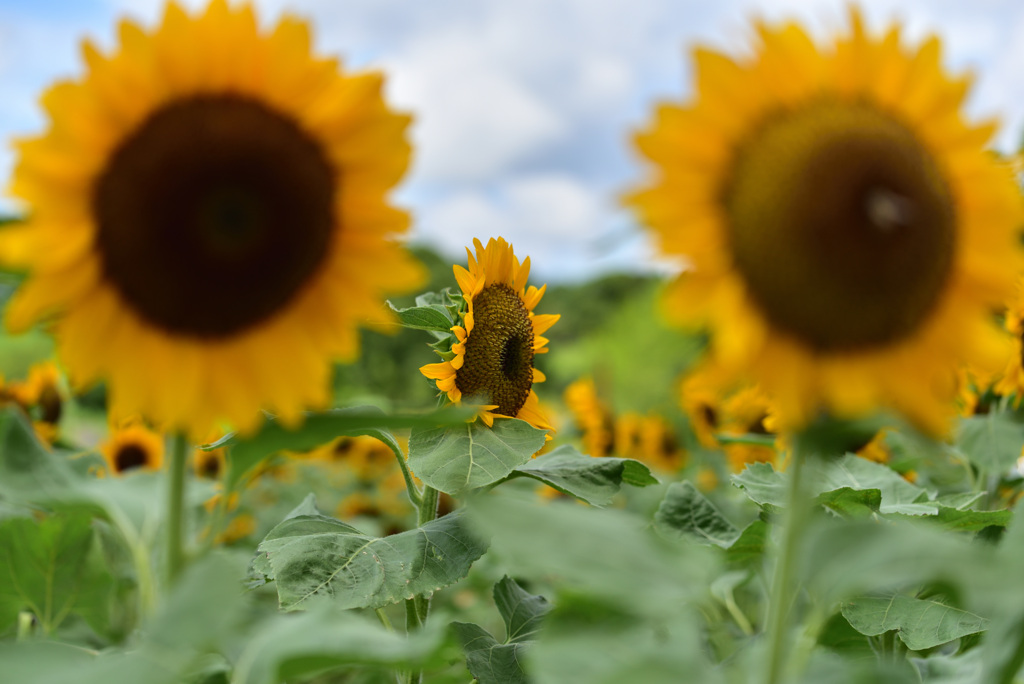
(749, 412)
(591, 416)
(847, 234)
(133, 446)
(209, 221)
(491, 358)
(1012, 380)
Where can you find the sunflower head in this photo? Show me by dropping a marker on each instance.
(133, 446)
(490, 361)
(591, 416)
(209, 221)
(846, 231)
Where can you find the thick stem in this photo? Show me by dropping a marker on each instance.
(178, 448)
(783, 594)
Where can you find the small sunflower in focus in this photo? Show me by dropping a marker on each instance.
(490, 362)
(591, 416)
(209, 221)
(132, 446)
(847, 232)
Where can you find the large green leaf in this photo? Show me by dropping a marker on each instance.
(313, 557)
(320, 428)
(608, 553)
(586, 641)
(851, 503)
(686, 512)
(747, 551)
(992, 442)
(521, 610)
(45, 570)
(919, 623)
(293, 647)
(768, 488)
(28, 471)
(594, 480)
(489, 660)
(859, 474)
(470, 455)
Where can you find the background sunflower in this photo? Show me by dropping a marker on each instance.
(209, 220)
(847, 232)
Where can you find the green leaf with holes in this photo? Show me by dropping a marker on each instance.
(457, 459)
(314, 558)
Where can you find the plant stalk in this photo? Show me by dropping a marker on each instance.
(783, 593)
(178, 448)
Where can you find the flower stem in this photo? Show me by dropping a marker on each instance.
(782, 594)
(178, 448)
(410, 485)
(418, 607)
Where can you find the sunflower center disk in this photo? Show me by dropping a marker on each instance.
(213, 215)
(498, 366)
(841, 225)
(130, 456)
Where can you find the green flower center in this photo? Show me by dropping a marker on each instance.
(841, 225)
(498, 365)
(213, 214)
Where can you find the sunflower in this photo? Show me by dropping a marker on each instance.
(133, 446)
(491, 358)
(1012, 379)
(209, 221)
(845, 230)
(591, 416)
(749, 412)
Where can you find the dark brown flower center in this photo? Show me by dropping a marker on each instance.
(213, 215)
(841, 225)
(130, 456)
(498, 366)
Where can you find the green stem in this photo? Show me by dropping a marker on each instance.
(782, 594)
(410, 485)
(418, 607)
(178, 448)
(385, 620)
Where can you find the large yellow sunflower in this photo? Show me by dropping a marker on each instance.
(846, 232)
(208, 218)
(492, 355)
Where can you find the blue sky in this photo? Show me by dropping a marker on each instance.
(523, 109)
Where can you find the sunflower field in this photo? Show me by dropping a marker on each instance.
(249, 434)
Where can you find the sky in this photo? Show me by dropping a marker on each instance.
(523, 110)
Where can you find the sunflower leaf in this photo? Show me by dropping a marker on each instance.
(920, 624)
(46, 570)
(594, 480)
(296, 646)
(491, 661)
(456, 459)
(318, 429)
(313, 558)
(992, 442)
(434, 317)
(685, 512)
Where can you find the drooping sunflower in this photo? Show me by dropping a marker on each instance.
(493, 351)
(133, 446)
(208, 218)
(847, 233)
